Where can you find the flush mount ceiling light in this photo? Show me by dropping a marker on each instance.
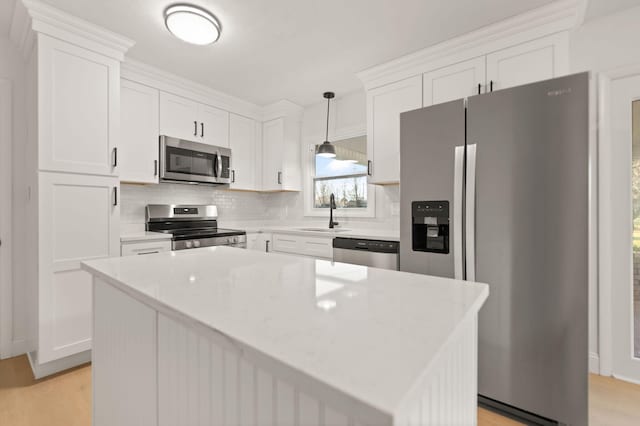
(192, 24)
(327, 149)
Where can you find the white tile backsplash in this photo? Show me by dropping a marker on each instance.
(237, 207)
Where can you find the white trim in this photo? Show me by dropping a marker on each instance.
(43, 18)
(6, 281)
(605, 208)
(53, 367)
(167, 82)
(283, 108)
(594, 363)
(554, 18)
(626, 379)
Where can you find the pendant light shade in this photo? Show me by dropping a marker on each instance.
(327, 149)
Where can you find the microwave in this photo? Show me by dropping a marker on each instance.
(185, 161)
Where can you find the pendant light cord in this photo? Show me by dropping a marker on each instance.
(327, 134)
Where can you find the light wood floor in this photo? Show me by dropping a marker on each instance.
(65, 399)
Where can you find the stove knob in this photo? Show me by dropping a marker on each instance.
(196, 243)
(188, 244)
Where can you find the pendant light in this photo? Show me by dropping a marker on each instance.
(327, 149)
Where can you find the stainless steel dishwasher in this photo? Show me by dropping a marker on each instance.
(375, 253)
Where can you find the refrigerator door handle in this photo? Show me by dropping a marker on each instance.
(470, 213)
(458, 183)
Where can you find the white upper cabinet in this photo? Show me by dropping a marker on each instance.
(179, 117)
(78, 220)
(214, 125)
(384, 105)
(454, 82)
(139, 121)
(529, 62)
(186, 119)
(78, 112)
(281, 155)
(244, 143)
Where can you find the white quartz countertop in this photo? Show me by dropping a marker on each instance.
(144, 236)
(367, 332)
(346, 232)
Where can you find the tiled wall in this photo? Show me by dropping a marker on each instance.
(236, 206)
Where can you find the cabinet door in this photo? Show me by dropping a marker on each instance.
(138, 156)
(273, 146)
(525, 63)
(454, 82)
(78, 109)
(78, 220)
(179, 117)
(213, 127)
(384, 105)
(243, 140)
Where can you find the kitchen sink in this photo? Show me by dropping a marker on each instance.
(323, 230)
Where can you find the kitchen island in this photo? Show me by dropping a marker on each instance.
(225, 336)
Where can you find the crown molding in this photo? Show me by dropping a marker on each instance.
(556, 17)
(151, 76)
(34, 16)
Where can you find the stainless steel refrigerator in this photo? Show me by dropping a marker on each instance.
(494, 188)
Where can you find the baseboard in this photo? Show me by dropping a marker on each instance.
(594, 363)
(626, 379)
(53, 367)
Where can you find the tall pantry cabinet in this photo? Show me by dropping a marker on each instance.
(72, 174)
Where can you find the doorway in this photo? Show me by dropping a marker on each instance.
(623, 198)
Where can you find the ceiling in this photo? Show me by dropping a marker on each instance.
(598, 8)
(291, 49)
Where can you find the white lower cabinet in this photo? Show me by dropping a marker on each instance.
(259, 241)
(138, 248)
(78, 220)
(320, 247)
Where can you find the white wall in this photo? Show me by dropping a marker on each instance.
(12, 68)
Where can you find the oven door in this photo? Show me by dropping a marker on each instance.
(186, 161)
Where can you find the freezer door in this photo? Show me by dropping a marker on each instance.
(531, 236)
(431, 165)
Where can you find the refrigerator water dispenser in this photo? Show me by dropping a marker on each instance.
(430, 228)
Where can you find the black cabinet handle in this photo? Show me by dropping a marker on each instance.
(115, 195)
(369, 167)
(279, 178)
(233, 176)
(491, 86)
(479, 88)
(266, 246)
(155, 167)
(115, 157)
(202, 130)
(195, 128)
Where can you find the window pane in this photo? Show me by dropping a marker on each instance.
(350, 192)
(351, 159)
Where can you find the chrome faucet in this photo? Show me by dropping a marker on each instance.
(332, 205)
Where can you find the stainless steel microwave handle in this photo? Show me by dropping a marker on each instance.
(458, 178)
(219, 164)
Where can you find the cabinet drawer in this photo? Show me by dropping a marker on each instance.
(286, 243)
(301, 245)
(317, 247)
(150, 247)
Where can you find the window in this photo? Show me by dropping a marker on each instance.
(344, 176)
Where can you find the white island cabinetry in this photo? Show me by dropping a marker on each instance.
(205, 342)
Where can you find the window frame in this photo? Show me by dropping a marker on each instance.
(308, 191)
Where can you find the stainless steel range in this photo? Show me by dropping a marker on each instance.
(192, 226)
